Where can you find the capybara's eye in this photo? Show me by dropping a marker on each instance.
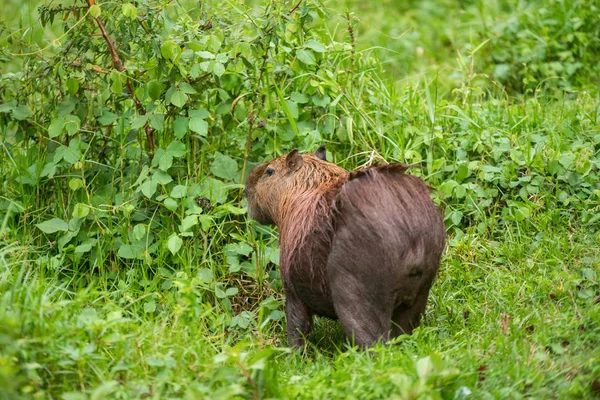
(269, 171)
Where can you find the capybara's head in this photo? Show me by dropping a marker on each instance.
(274, 187)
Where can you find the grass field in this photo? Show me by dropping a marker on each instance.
(129, 269)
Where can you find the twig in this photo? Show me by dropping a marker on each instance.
(293, 10)
(111, 46)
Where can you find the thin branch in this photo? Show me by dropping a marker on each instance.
(121, 68)
(295, 8)
(113, 52)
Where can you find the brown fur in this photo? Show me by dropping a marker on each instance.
(362, 247)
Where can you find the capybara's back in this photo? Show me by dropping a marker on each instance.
(388, 240)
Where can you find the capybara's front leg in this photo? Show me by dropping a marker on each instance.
(299, 319)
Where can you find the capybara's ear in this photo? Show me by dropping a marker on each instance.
(294, 160)
(321, 153)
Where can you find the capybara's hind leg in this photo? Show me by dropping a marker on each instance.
(364, 322)
(407, 317)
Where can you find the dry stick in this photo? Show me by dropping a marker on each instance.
(121, 68)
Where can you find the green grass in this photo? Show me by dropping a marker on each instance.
(129, 302)
(508, 318)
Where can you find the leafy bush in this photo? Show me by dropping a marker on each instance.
(552, 43)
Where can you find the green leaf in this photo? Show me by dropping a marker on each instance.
(66, 107)
(214, 189)
(21, 113)
(199, 126)
(179, 191)
(447, 187)
(462, 172)
(201, 113)
(230, 209)
(244, 49)
(162, 177)
(205, 275)
(80, 210)
(155, 90)
(117, 85)
(187, 88)
(69, 154)
(567, 159)
(293, 107)
(321, 101)
(180, 127)
(95, 11)
(85, 247)
(157, 121)
(72, 123)
(129, 10)
(276, 315)
(53, 225)
(218, 69)
(299, 98)
(456, 217)
(148, 188)
(165, 162)
(74, 395)
(149, 307)
(170, 50)
(171, 204)
(72, 86)
(220, 293)
(306, 56)
(206, 55)
(206, 222)
(105, 390)
(178, 98)
(169, 93)
(176, 149)
(129, 251)
(174, 243)
(107, 118)
(224, 167)
(188, 222)
(8, 107)
(139, 231)
(239, 248)
(48, 171)
(316, 46)
(56, 127)
(213, 43)
(138, 121)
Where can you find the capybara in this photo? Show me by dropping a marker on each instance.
(362, 247)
